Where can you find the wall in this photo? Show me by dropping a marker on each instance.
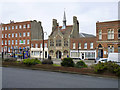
(105, 42)
(14, 31)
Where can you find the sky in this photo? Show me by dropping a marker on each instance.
(87, 13)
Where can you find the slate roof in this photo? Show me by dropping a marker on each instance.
(86, 35)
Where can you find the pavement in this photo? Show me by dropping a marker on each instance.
(24, 78)
(88, 62)
(58, 61)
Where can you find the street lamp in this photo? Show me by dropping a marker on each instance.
(78, 50)
(43, 43)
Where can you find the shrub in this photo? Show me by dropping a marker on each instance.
(99, 68)
(108, 66)
(67, 62)
(10, 59)
(18, 61)
(47, 61)
(31, 61)
(80, 64)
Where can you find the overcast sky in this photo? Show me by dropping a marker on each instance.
(88, 13)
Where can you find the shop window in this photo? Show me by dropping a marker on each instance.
(118, 49)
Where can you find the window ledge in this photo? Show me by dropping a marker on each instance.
(110, 39)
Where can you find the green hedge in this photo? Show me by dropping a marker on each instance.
(31, 61)
(80, 64)
(108, 66)
(67, 62)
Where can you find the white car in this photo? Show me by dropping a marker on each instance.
(102, 60)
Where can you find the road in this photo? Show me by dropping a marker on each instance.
(23, 78)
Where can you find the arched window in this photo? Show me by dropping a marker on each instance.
(65, 52)
(99, 46)
(51, 52)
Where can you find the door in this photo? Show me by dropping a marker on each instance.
(100, 53)
(45, 54)
(58, 54)
(82, 55)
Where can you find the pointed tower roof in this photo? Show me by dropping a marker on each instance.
(64, 17)
(64, 21)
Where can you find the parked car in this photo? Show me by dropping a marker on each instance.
(102, 60)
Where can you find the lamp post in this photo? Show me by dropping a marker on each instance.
(7, 49)
(78, 50)
(43, 43)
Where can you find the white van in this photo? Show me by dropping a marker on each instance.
(114, 57)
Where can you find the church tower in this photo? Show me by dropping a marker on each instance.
(64, 21)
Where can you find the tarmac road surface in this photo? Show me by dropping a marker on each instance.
(24, 78)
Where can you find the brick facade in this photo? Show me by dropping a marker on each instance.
(83, 48)
(0, 39)
(108, 38)
(38, 42)
(37, 49)
(12, 35)
(17, 36)
(83, 40)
